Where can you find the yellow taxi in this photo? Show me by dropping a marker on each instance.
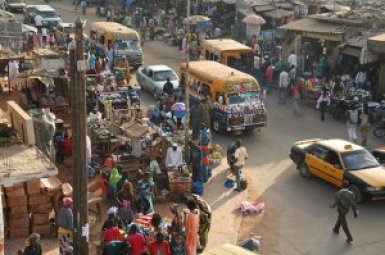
(336, 160)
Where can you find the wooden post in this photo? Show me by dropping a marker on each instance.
(79, 161)
(187, 87)
(1, 224)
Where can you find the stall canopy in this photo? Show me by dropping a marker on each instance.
(278, 14)
(195, 19)
(254, 20)
(316, 29)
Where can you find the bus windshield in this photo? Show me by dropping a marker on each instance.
(245, 97)
(127, 44)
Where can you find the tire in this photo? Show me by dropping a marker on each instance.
(217, 127)
(357, 194)
(304, 170)
(379, 132)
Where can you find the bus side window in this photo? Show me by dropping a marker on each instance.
(207, 55)
(101, 40)
(215, 58)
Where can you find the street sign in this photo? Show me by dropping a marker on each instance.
(82, 65)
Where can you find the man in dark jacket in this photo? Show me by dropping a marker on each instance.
(343, 200)
(168, 88)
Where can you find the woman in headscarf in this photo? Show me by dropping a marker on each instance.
(125, 199)
(113, 180)
(191, 224)
(65, 222)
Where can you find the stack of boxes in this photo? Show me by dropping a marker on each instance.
(18, 219)
(40, 207)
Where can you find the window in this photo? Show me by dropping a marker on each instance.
(319, 151)
(332, 158)
(163, 75)
(360, 159)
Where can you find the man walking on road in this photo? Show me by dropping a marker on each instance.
(343, 200)
(284, 81)
(168, 88)
(240, 157)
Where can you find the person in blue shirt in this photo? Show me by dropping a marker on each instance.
(92, 61)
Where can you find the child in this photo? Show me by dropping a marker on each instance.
(159, 246)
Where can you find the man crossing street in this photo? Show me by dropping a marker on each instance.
(343, 200)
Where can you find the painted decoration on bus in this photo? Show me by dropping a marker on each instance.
(238, 87)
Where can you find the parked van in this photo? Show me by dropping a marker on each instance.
(234, 97)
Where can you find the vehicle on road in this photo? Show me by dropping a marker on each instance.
(336, 160)
(14, 5)
(124, 41)
(229, 52)
(152, 78)
(50, 17)
(234, 97)
(62, 30)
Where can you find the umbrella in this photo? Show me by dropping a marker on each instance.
(253, 19)
(193, 20)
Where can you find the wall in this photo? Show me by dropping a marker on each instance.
(21, 123)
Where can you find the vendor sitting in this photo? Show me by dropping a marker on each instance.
(133, 96)
(94, 116)
(174, 157)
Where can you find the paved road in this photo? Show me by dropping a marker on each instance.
(297, 218)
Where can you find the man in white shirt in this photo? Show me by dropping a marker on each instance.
(293, 60)
(284, 81)
(38, 21)
(240, 157)
(174, 157)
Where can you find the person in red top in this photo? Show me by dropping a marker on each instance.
(137, 241)
(269, 75)
(112, 232)
(159, 247)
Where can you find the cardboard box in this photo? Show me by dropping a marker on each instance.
(33, 187)
(18, 222)
(44, 230)
(16, 201)
(19, 232)
(18, 192)
(18, 210)
(38, 199)
(41, 208)
(40, 219)
(12, 188)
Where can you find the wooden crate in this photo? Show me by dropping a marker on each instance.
(179, 185)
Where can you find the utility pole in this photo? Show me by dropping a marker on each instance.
(79, 164)
(187, 86)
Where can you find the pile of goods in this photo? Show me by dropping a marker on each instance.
(215, 155)
(29, 207)
(179, 180)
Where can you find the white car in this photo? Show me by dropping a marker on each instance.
(152, 78)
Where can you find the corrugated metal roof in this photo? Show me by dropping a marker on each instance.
(278, 14)
(312, 25)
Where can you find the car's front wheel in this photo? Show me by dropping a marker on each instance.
(357, 194)
(304, 170)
